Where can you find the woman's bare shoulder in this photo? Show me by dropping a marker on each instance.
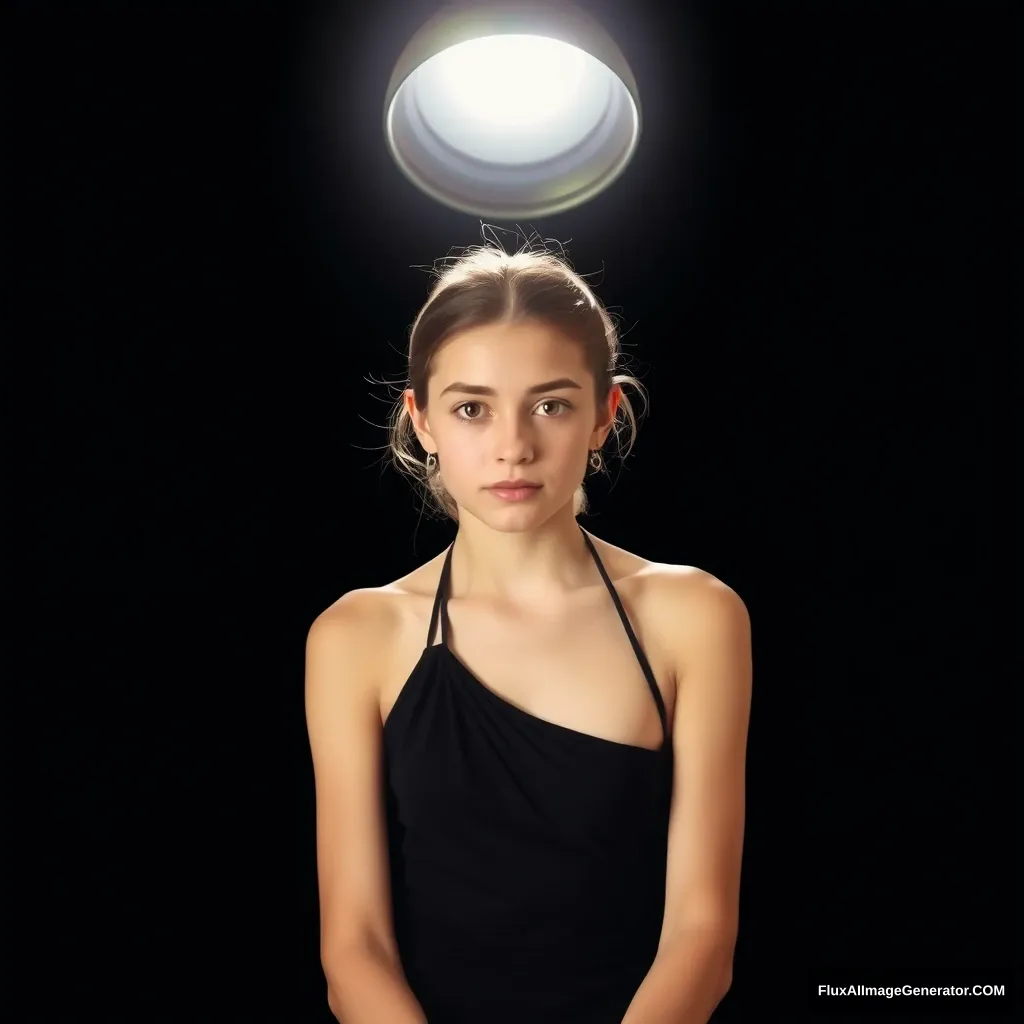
(421, 582)
(624, 565)
(673, 592)
(374, 614)
(365, 608)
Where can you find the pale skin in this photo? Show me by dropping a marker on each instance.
(521, 577)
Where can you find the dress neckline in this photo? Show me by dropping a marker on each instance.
(470, 678)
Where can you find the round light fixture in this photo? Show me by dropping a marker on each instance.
(508, 109)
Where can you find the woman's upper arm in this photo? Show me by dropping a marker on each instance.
(711, 720)
(343, 652)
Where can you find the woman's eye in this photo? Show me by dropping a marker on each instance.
(462, 410)
(553, 403)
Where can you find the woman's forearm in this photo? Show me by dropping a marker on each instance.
(366, 986)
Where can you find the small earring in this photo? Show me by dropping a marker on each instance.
(431, 462)
(596, 462)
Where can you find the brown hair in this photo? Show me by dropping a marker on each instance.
(487, 285)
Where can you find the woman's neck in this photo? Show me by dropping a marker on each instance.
(521, 567)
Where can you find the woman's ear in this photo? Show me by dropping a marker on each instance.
(607, 420)
(418, 418)
(409, 400)
(614, 400)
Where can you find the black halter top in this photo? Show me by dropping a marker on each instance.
(527, 858)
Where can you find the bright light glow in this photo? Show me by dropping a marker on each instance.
(516, 80)
(512, 99)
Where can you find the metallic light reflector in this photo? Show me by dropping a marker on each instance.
(512, 109)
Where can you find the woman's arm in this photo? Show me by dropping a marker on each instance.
(365, 981)
(367, 986)
(693, 968)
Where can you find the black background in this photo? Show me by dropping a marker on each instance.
(213, 255)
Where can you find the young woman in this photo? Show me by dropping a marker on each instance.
(529, 752)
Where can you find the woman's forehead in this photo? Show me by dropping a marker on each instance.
(517, 349)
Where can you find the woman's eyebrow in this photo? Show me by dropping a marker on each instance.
(534, 389)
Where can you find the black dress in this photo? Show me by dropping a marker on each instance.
(527, 858)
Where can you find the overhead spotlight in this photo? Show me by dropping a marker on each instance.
(512, 108)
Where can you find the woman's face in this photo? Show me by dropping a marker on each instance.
(511, 401)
